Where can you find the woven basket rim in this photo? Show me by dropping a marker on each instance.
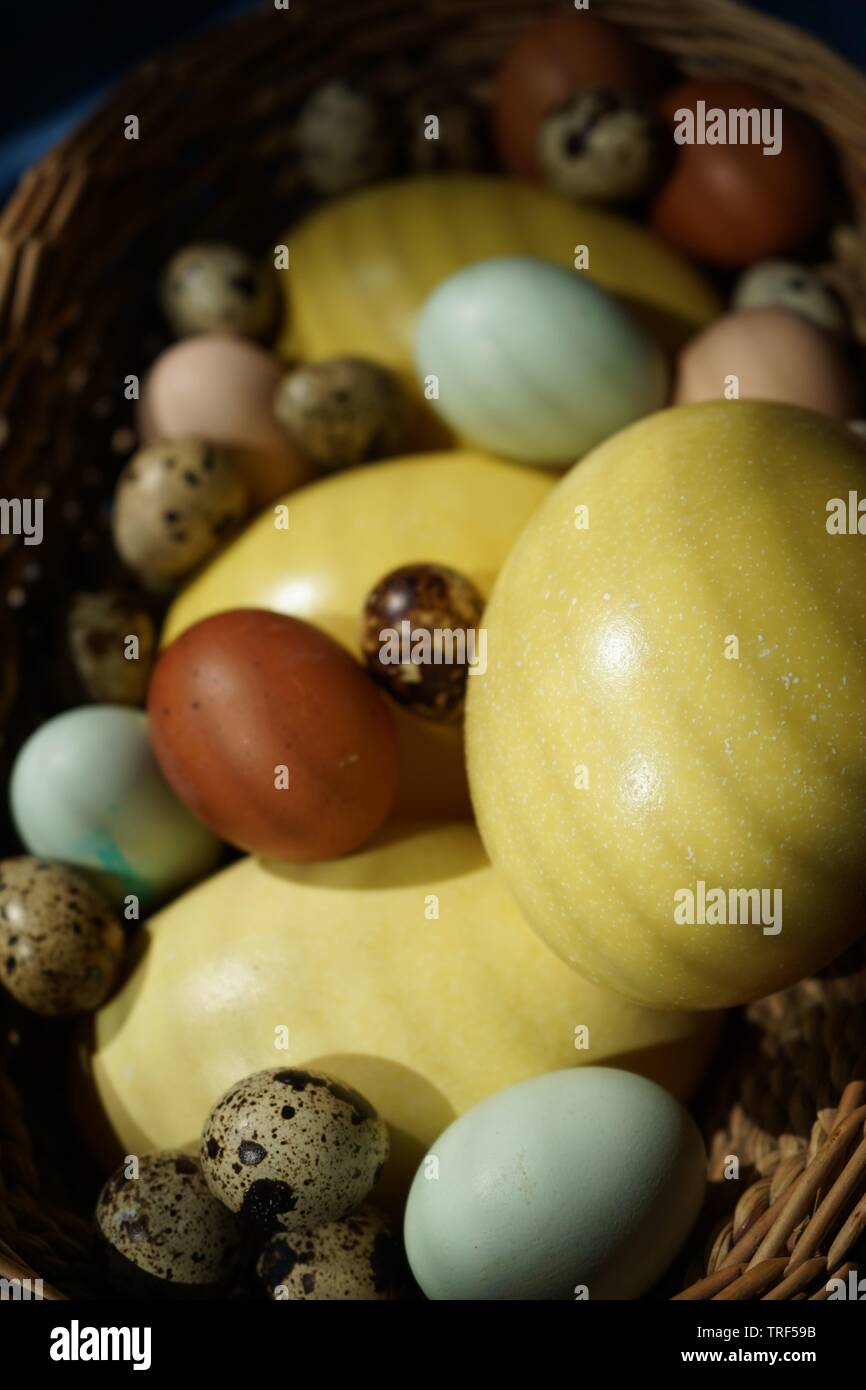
(41, 211)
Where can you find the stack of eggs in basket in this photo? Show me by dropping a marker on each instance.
(496, 618)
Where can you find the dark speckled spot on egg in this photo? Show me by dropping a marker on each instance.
(298, 1080)
(251, 1153)
(361, 1109)
(265, 1201)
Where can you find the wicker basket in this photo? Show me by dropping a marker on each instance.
(81, 243)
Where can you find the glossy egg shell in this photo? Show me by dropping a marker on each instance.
(580, 1183)
(273, 735)
(730, 204)
(86, 790)
(409, 236)
(545, 66)
(623, 748)
(535, 362)
(460, 509)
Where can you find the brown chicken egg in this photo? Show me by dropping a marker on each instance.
(546, 66)
(273, 735)
(767, 355)
(730, 204)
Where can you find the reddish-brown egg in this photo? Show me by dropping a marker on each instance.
(273, 735)
(544, 68)
(731, 204)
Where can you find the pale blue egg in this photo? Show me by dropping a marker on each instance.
(534, 362)
(582, 1183)
(86, 790)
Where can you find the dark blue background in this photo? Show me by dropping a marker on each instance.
(59, 56)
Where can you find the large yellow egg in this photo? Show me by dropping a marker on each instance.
(675, 697)
(362, 266)
(405, 970)
(344, 533)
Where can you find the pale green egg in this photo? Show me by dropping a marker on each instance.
(577, 1184)
(534, 362)
(85, 789)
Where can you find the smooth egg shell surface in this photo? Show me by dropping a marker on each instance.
(407, 236)
(273, 735)
(85, 789)
(534, 362)
(459, 509)
(406, 970)
(221, 389)
(581, 1183)
(775, 355)
(674, 696)
(729, 203)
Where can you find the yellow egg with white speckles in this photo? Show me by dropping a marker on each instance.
(667, 753)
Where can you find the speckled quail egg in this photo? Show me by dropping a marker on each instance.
(344, 411)
(212, 287)
(342, 139)
(175, 503)
(291, 1149)
(164, 1231)
(788, 285)
(445, 131)
(111, 638)
(358, 1257)
(405, 615)
(60, 943)
(601, 145)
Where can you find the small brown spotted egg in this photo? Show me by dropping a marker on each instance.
(601, 145)
(420, 635)
(342, 139)
(175, 504)
(358, 1257)
(60, 943)
(111, 638)
(344, 411)
(164, 1231)
(290, 1150)
(788, 285)
(215, 288)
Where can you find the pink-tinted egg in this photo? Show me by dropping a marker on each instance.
(221, 389)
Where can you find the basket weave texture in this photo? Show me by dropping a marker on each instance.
(81, 244)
